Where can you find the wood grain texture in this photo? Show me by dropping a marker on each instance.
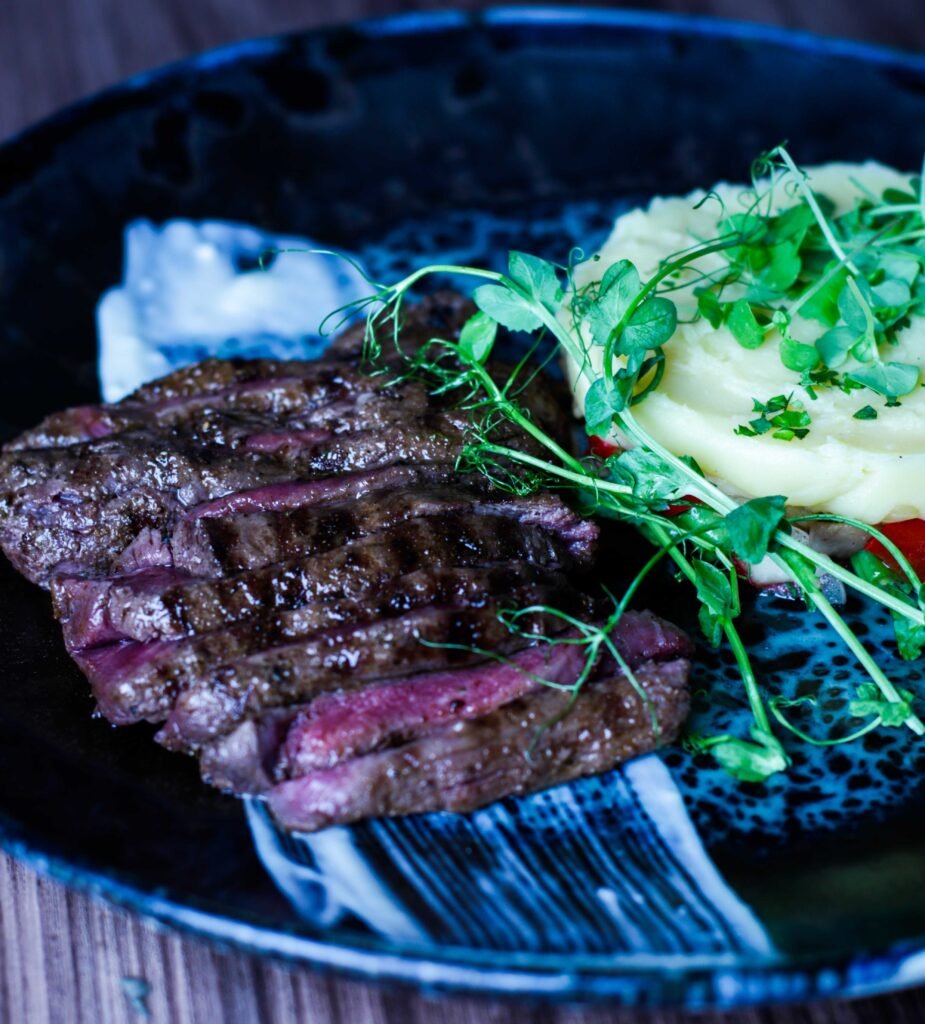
(64, 957)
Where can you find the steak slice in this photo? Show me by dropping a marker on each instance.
(216, 545)
(134, 681)
(467, 764)
(168, 603)
(334, 387)
(296, 494)
(320, 394)
(80, 507)
(425, 640)
(244, 761)
(337, 726)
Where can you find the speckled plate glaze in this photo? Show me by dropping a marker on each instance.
(464, 135)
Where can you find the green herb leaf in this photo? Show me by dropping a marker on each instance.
(655, 482)
(901, 266)
(754, 760)
(509, 308)
(783, 268)
(621, 279)
(822, 305)
(619, 286)
(891, 293)
(477, 337)
(910, 639)
(835, 345)
(709, 307)
(870, 701)
(745, 328)
(650, 326)
(601, 404)
(873, 569)
(537, 277)
(797, 356)
(854, 311)
(751, 526)
(793, 223)
(867, 412)
(715, 594)
(779, 419)
(892, 380)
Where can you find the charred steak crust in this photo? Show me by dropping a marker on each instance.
(278, 563)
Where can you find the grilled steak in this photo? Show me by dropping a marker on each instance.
(132, 681)
(162, 603)
(215, 545)
(280, 564)
(420, 641)
(337, 726)
(465, 765)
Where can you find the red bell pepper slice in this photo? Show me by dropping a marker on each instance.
(601, 448)
(908, 536)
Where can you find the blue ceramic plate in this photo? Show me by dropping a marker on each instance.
(462, 136)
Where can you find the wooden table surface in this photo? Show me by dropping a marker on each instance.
(65, 957)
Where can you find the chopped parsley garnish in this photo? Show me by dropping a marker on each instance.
(781, 417)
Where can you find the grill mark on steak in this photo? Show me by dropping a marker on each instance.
(53, 532)
(139, 680)
(421, 641)
(163, 603)
(470, 763)
(318, 393)
(221, 544)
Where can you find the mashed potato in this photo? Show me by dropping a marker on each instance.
(872, 470)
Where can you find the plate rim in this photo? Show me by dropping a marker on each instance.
(784, 979)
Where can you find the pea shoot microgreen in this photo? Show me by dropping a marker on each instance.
(859, 274)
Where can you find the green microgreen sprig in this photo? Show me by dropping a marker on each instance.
(860, 274)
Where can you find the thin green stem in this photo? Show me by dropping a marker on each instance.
(806, 738)
(822, 604)
(748, 677)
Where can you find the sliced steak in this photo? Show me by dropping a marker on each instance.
(216, 545)
(244, 761)
(338, 726)
(168, 603)
(421, 641)
(83, 505)
(280, 386)
(281, 563)
(297, 494)
(467, 764)
(322, 394)
(132, 681)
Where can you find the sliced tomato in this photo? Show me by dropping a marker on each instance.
(908, 536)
